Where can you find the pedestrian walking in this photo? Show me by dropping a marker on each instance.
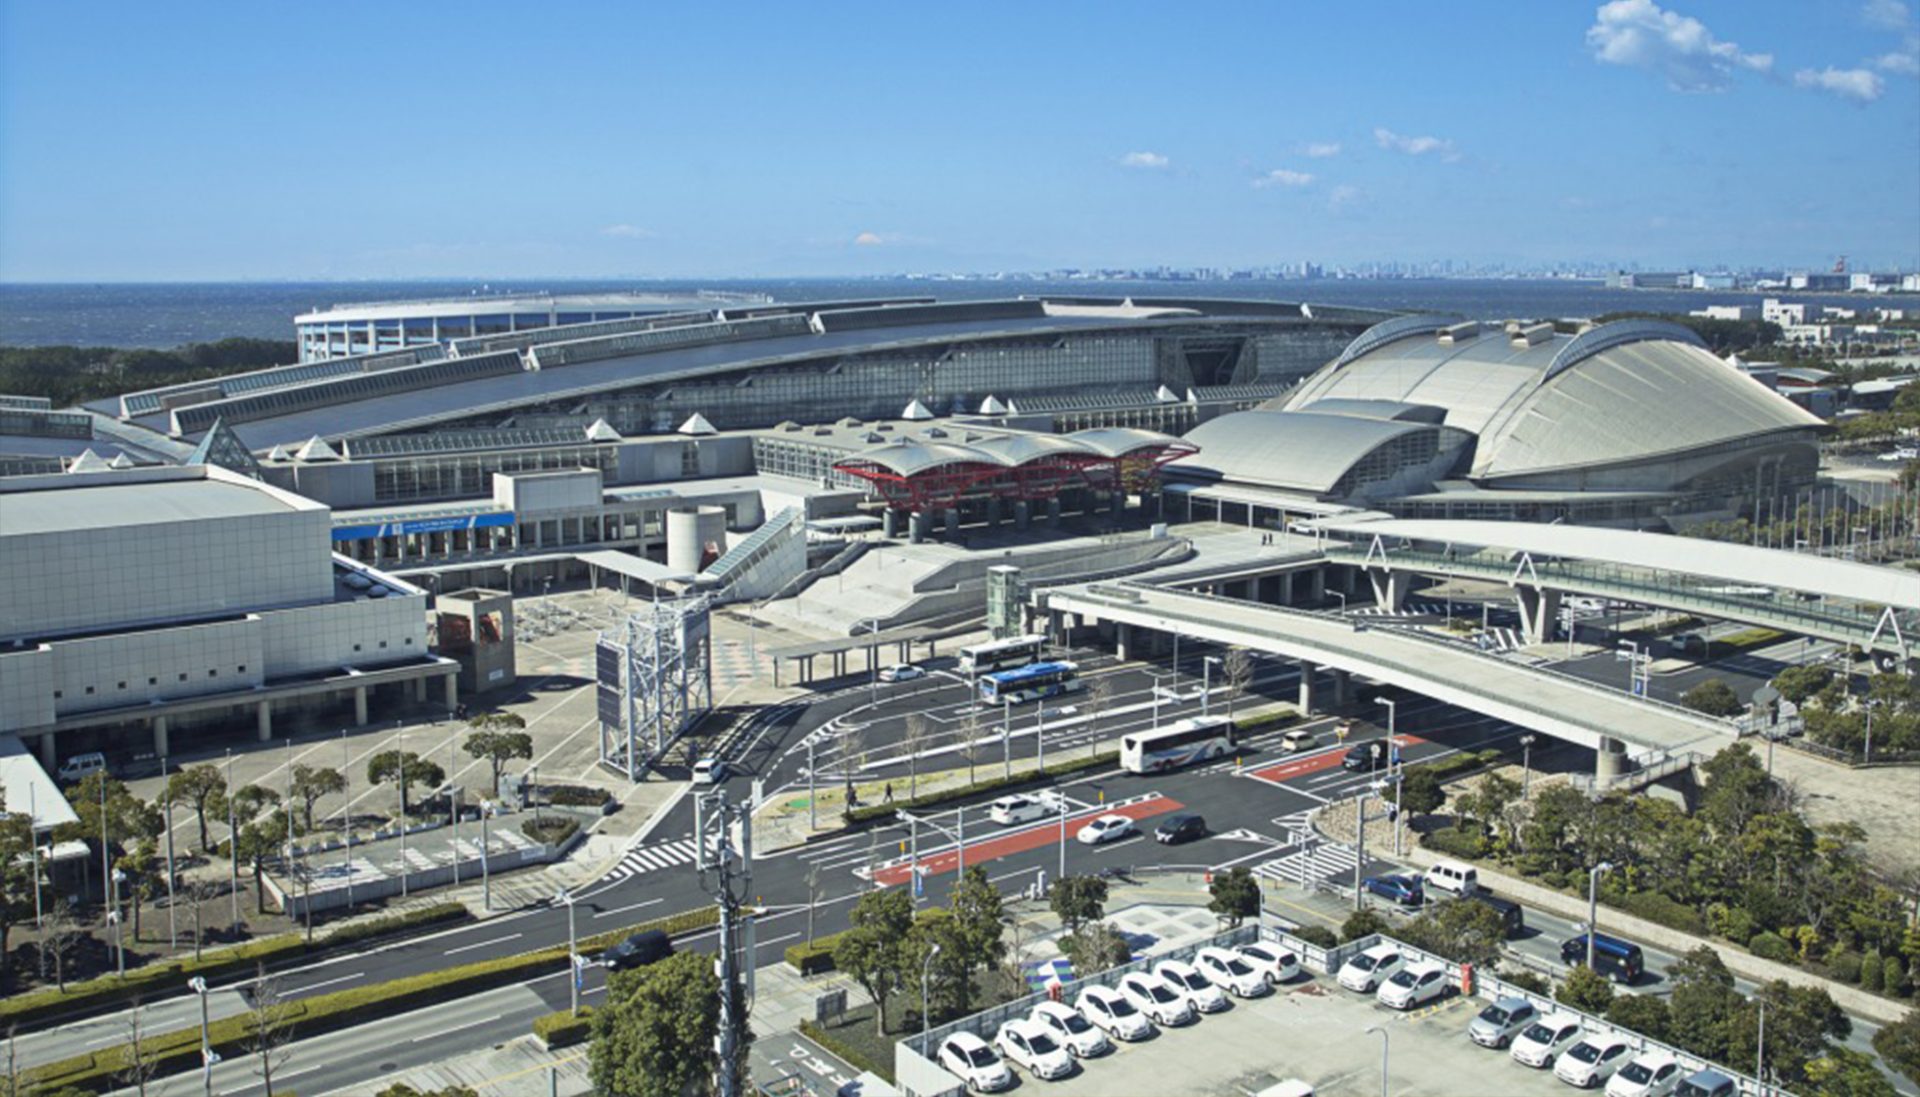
(889, 792)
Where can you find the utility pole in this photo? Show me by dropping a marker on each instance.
(727, 875)
(233, 858)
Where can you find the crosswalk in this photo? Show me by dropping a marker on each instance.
(1501, 639)
(653, 857)
(1316, 859)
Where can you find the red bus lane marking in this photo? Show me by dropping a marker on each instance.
(1006, 845)
(1300, 767)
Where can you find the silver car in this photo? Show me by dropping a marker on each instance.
(1501, 1021)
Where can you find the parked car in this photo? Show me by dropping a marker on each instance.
(1364, 973)
(1412, 985)
(1542, 1041)
(1071, 1029)
(1299, 739)
(1156, 998)
(1512, 915)
(1501, 1021)
(968, 1058)
(1030, 1046)
(1621, 961)
(711, 771)
(1358, 756)
(901, 672)
(1107, 828)
(1402, 888)
(1707, 1083)
(1228, 969)
(1651, 1074)
(1275, 964)
(1451, 876)
(81, 766)
(1199, 992)
(643, 948)
(1113, 1014)
(1013, 810)
(1180, 827)
(1589, 1063)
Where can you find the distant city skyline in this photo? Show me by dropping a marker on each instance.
(235, 142)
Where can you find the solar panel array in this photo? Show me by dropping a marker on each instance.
(342, 390)
(37, 423)
(152, 400)
(618, 346)
(521, 340)
(464, 441)
(26, 403)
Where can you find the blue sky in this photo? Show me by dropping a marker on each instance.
(365, 140)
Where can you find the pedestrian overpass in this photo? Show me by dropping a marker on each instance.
(1872, 607)
(1545, 701)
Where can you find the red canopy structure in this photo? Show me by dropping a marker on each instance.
(924, 476)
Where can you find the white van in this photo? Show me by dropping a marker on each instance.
(1451, 876)
(80, 766)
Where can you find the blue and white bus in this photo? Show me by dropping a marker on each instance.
(1014, 651)
(1030, 683)
(1199, 739)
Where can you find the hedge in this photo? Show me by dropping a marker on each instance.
(563, 1029)
(991, 784)
(815, 958)
(552, 830)
(395, 923)
(853, 1055)
(576, 795)
(179, 1050)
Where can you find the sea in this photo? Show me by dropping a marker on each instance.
(163, 315)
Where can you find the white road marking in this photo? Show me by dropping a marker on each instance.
(483, 944)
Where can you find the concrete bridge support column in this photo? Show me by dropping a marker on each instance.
(1306, 688)
(1342, 689)
(160, 736)
(452, 691)
(889, 523)
(359, 706)
(1390, 588)
(1119, 504)
(1317, 585)
(1609, 762)
(1022, 514)
(993, 512)
(49, 751)
(1123, 641)
(265, 721)
(1539, 611)
(917, 527)
(951, 526)
(1286, 588)
(1053, 511)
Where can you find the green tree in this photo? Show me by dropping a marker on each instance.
(1713, 697)
(948, 972)
(1077, 900)
(1467, 933)
(310, 783)
(1095, 948)
(655, 1035)
(1899, 1045)
(202, 786)
(1700, 1003)
(128, 818)
(498, 738)
(259, 831)
(1796, 684)
(1236, 896)
(1237, 668)
(1843, 1072)
(146, 873)
(871, 952)
(1802, 1024)
(1362, 923)
(1420, 791)
(16, 877)
(401, 1089)
(979, 929)
(1643, 1013)
(403, 769)
(1585, 989)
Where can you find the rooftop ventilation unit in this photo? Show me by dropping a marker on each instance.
(317, 449)
(1532, 335)
(1459, 333)
(602, 431)
(992, 406)
(697, 424)
(916, 411)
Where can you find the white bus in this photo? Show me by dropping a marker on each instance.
(1014, 651)
(1199, 739)
(1033, 682)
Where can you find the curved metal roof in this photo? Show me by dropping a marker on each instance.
(1389, 331)
(1594, 340)
(1018, 449)
(913, 458)
(1013, 450)
(1121, 441)
(1287, 449)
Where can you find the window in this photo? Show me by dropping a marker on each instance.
(241, 669)
(153, 681)
(123, 685)
(183, 676)
(212, 673)
(57, 694)
(89, 690)
(356, 647)
(383, 643)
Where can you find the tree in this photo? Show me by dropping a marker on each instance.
(655, 1036)
(1466, 933)
(1802, 1024)
(1099, 699)
(498, 737)
(145, 871)
(258, 840)
(17, 865)
(1585, 989)
(201, 786)
(1362, 923)
(979, 928)
(1701, 1001)
(919, 735)
(1420, 791)
(59, 932)
(127, 817)
(139, 1062)
(196, 893)
(948, 972)
(310, 783)
(1643, 1013)
(1843, 1072)
(1077, 900)
(1236, 896)
(1713, 697)
(270, 1033)
(1899, 1045)
(403, 769)
(1096, 947)
(972, 749)
(870, 952)
(1796, 684)
(1237, 668)
(1489, 800)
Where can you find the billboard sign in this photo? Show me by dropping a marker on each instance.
(491, 520)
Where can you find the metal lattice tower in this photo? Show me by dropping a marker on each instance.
(655, 675)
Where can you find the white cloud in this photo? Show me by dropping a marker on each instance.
(1639, 34)
(1344, 195)
(879, 239)
(1905, 64)
(1885, 14)
(1282, 177)
(628, 232)
(1415, 146)
(1151, 160)
(1859, 85)
(1320, 150)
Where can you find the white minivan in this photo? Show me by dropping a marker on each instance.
(1451, 876)
(81, 766)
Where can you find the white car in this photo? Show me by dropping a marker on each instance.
(1276, 964)
(1413, 985)
(1200, 992)
(1033, 1049)
(1112, 1014)
(1542, 1041)
(901, 672)
(1226, 968)
(710, 771)
(968, 1058)
(1364, 973)
(1107, 828)
(1156, 998)
(1293, 742)
(1592, 1061)
(1652, 1074)
(1011, 810)
(1070, 1029)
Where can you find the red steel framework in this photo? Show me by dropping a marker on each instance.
(962, 477)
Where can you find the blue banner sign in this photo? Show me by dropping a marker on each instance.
(424, 525)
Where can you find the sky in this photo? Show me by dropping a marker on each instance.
(239, 141)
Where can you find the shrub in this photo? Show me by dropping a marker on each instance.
(1455, 842)
(1873, 971)
(853, 1055)
(1733, 923)
(1318, 935)
(1528, 980)
(1712, 697)
(395, 923)
(552, 830)
(1361, 923)
(1585, 989)
(1844, 965)
(1655, 907)
(576, 795)
(563, 1029)
(1893, 980)
(1769, 945)
(991, 784)
(815, 958)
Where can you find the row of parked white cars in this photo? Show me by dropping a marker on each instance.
(1588, 1061)
(1049, 1042)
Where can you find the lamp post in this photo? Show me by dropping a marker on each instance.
(1206, 679)
(873, 657)
(1526, 763)
(1343, 601)
(1593, 905)
(1006, 735)
(207, 1056)
(1385, 1046)
(233, 858)
(1635, 656)
(573, 957)
(926, 998)
(1395, 767)
(113, 919)
(486, 880)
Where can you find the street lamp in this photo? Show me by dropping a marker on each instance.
(1396, 769)
(486, 880)
(926, 999)
(1384, 1047)
(113, 919)
(1206, 678)
(573, 957)
(1526, 763)
(1343, 601)
(873, 657)
(207, 1055)
(1593, 905)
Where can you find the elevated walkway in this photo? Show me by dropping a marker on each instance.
(1541, 700)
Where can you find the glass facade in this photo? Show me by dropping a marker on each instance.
(419, 479)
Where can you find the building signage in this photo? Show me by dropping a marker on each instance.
(424, 525)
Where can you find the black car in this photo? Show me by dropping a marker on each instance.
(1183, 827)
(1359, 756)
(647, 947)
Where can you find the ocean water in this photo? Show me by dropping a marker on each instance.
(169, 314)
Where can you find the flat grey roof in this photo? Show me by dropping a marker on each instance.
(86, 506)
(28, 787)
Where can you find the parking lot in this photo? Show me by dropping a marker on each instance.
(1314, 1031)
